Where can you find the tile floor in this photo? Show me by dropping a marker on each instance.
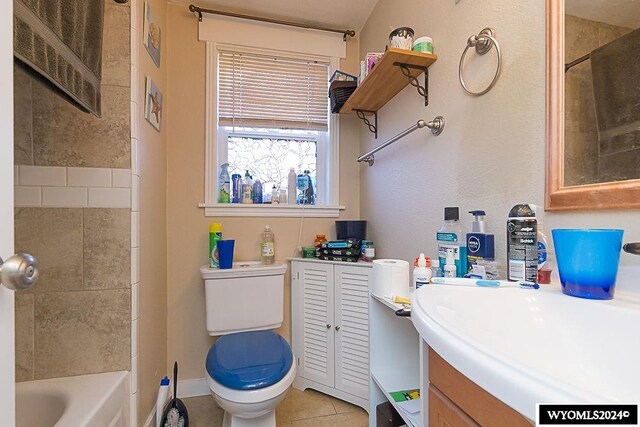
(307, 408)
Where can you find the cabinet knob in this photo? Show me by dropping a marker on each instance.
(328, 326)
(337, 328)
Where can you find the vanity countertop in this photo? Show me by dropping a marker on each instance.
(537, 346)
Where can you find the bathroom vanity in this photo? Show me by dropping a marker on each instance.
(495, 353)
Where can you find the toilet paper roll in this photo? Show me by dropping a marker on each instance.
(390, 277)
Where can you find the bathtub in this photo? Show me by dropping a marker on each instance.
(99, 400)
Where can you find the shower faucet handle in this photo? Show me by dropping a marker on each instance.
(632, 248)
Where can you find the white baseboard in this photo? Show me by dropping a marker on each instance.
(193, 388)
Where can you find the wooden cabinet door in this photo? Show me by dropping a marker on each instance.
(444, 413)
(352, 329)
(312, 316)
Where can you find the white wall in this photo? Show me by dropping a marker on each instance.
(491, 153)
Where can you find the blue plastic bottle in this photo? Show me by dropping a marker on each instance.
(480, 244)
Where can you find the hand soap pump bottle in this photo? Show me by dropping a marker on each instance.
(480, 244)
(452, 236)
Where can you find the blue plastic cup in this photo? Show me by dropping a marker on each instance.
(588, 261)
(225, 253)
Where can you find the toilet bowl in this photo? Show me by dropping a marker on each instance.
(249, 368)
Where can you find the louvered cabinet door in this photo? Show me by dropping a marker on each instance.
(313, 313)
(352, 329)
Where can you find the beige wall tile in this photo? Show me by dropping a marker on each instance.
(64, 197)
(65, 136)
(22, 102)
(27, 196)
(82, 332)
(24, 336)
(116, 45)
(54, 237)
(107, 248)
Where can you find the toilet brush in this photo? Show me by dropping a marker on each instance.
(175, 413)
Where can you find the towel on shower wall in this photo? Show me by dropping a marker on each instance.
(62, 41)
(616, 88)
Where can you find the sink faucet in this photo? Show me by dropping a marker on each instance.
(632, 248)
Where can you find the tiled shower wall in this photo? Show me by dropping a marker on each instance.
(73, 212)
(583, 163)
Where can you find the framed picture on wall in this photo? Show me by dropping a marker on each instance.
(152, 36)
(153, 104)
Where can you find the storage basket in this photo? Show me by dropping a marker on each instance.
(339, 92)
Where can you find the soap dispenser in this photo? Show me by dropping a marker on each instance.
(480, 244)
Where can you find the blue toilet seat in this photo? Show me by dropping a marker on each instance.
(249, 360)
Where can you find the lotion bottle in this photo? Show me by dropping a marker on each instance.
(421, 273)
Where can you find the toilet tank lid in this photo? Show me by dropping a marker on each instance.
(243, 269)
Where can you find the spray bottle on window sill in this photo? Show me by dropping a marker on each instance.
(247, 189)
(224, 195)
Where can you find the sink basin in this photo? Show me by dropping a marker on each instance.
(535, 346)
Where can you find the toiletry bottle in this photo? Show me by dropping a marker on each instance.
(215, 234)
(267, 246)
(247, 188)
(452, 236)
(291, 187)
(480, 244)
(224, 187)
(545, 257)
(302, 183)
(161, 401)
(283, 196)
(522, 244)
(317, 244)
(309, 194)
(450, 269)
(257, 192)
(421, 274)
(236, 181)
(275, 199)
(435, 268)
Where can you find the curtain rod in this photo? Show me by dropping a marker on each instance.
(195, 9)
(575, 62)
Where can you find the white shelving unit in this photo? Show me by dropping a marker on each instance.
(395, 357)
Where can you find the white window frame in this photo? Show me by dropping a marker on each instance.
(216, 150)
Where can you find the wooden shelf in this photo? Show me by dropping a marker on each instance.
(386, 80)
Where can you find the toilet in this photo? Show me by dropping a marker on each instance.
(249, 368)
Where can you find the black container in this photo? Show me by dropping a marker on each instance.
(356, 229)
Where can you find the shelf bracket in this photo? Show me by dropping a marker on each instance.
(422, 90)
(373, 127)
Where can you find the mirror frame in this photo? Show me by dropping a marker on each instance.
(610, 195)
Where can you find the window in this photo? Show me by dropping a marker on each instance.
(273, 115)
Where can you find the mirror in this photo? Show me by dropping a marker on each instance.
(593, 104)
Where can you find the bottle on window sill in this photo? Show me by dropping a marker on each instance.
(247, 189)
(224, 184)
(275, 199)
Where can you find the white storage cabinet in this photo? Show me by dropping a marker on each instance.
(330, 327)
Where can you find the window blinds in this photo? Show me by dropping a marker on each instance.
(264, 91)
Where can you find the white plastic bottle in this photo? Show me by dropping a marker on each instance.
(292, 180)
(421, 274)
(247, 189)
(450, 266)
(163, 397)
(452, 235)
(267, 246)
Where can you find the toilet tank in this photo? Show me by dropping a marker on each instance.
(247, 297)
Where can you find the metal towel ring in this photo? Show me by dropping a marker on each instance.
(483, 43)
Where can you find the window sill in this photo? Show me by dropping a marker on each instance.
(266, 210)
